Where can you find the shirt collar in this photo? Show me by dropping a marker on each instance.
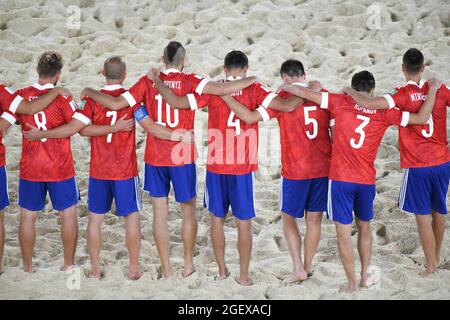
(171, 70)
(231, 78)
(112, 87)
(420, 84)
(300, 84)
(44, 87)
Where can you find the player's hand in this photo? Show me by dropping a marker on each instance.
(184, 136)
(434, 84)
(33, 134)
(64, 92)
(153, 74)
(315, 85)
(124, 125)
(286, 87)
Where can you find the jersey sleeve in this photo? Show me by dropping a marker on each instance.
(197, 83)
(262, 96)
(137, 92)
(447, 93)
(10, 117)
(86, 112)
(68, 108)
(9, 100)
(329, 102)
(397, 97)
(396, 117)
(197, 101)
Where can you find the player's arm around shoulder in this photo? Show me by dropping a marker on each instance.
(174, 100)
(243, 113)
(424, 113)
(26, 107)
(110, 102)
(228, 87)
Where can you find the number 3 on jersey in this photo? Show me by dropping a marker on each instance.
(176, 117)
(429, 133)
(41, 122)
(360, 130)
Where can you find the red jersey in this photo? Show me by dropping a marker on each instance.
(356, 137)
(8, 99)
(305, 141)
(159, 152)
(232, 143)
(422, 145)
(113, 157)
(47, 160)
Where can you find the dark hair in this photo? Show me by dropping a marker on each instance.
(292, 68)
(114, 68)
(236, 60)
(49, 64)
(363, 81)
(174, 53)
(413, 61)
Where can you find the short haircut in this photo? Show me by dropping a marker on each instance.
(413, 61)
(292, 68)
(114, 68)
(363, 81)
(236, 60)
(49, 64)
(174, 53)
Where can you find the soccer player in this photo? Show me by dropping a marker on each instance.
(113, 169)
(47, 165)
(357, 135)
(424, 155)
(232, 157)
(305, 157)
(9, 100)
(163, 163)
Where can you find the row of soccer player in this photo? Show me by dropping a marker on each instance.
(322, 172)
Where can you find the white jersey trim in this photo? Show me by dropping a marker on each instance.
(324, 102)
(268, 100)
(81, 117)
(405, 119)
(192, 101)
(8, 118)
(112, 87)
(201, 86)
(263, 112)
(129, 97)
(332, 122)
(390, 100)
(15, 104)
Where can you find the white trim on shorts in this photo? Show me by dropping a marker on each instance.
(7, 188)
(280, 195)
(330, 202)
(137, 192)
(253, 191)
(403, 188)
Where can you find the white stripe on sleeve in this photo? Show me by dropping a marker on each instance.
(192, 101)
(15, 104)
(8, 117)
(324, 102)
(390, 100)
(268, 100)
(201, 86)
(81, 117)
(264, 114)
(405, 119)
(129, 97)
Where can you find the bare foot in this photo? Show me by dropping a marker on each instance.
(167, 274)
(427, 272)
(223, 276)
(95, 274)
(67, 268)
(349, 288)
(372, 277)
(134, 275)
(246, 282)
(28, 269)
(188, 273)
(296, 276)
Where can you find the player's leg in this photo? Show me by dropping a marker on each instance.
(340, 206)
(4, 202)
(364, 214)
(215, 200)
(64, 196)
(292, 205)
(31, 200)
(317, 205)
(184, 180)
(439, 205)
(157, 183)
(127, 196)
(415, 194)
(99, 203)
(241, 194)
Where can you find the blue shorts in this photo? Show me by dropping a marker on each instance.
(126, 195)
(63, 194)
(298, 196)
(223, 190)
(346, 197)
(4, 197)
(425, 190)
(184, 180)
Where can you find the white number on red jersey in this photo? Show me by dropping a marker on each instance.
(112, 114)
(41, 122)
(234, 122)
(360, 131)
(309, 120)
(176, 117)
(430, 123)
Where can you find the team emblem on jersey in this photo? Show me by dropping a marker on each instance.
(393, 92)
(74, 105)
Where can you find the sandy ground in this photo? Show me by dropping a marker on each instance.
(333, 38)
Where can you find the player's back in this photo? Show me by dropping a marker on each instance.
(305, 141)
(6, 98)
(113, 157)
(46, 159)
(356, 138)
(423, 145)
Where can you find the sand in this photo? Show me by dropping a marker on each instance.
(333, 38)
